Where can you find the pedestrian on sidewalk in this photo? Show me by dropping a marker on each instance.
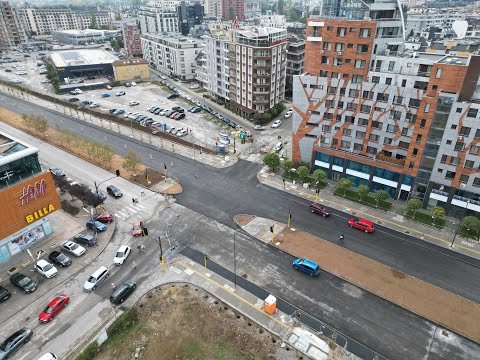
(114, 286)
(134, 265)
(341, 239)
(133, 201)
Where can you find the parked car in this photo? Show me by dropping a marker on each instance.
(288, 114)
(276, 123)
(133, 83)
(108, 87)
(137, 228)
(196, 86)
(120, 93)
(182, 132)
(96, 225)
(114, 191)
(86, 102)
(85, 239)
(278, 146)
(72, 248)
(317, 208)
(179, 116)
(58, 258)
(127, 84)
(158, 111)
(104, 95)
(178, 109)
(94, 105)
(361, 224)
(23, 282)
(122, 254)
(133, 103)
(96, 279)
(122, 292)
(118, 112)
(172, 115)
(105, 218)
(73, 99)
(172, 96)
(4, 294)
(309, 267)
(46, 269)
(15, 342)
(53, 308)
(48, 356)
(195, 109)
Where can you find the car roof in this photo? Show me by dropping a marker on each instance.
(55, 253)
(123, 248)
(42, 262)
(309, 263)
(18, 276)
(68, 243)
(364, 221)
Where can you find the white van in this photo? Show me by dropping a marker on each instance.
(96, 279)
(49, 356)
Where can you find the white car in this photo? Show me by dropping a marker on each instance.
(73, 248)
(288, 114)
(163, 77)
(122, 255)
(94, 105)
(96, 278)
(46, 269)
(120, 93)
(45, 81)
(16, 81)
(182, 132)
(127, 114)
(78, 91)
(133, 83)
(278, 146)
(164, 111)
(196, 86)
(133, 103)
(259, 127)
(276, 123)
(21, 73)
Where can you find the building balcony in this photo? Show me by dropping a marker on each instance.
(261, 92)
(266, 75)
(255, 56)
(261, 101)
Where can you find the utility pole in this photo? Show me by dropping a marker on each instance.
(162, 259)
(234, 262)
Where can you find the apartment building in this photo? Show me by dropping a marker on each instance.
(189, 15)
(295, 62)
(232, 9)
(12, 32)
(213, 8)
(390, 119)
(246, 68)
(131, 39)
(173, 55)
(159, 17)
(252, 9)
(44, 21)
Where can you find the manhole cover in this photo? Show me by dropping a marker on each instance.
(244, 276)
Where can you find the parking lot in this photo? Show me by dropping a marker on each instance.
(200, 128)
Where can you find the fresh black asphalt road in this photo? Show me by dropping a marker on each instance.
(220, 194)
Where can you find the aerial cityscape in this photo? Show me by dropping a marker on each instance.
(240, 179)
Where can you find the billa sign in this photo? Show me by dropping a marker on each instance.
(39, 213)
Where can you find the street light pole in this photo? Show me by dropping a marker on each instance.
(458, 226)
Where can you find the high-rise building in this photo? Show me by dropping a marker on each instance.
(295, 62)
(12, 32)
(173, 55)
(131, 39)
(246, 68)
(391, 119)
(189, 15)
(159, 17)
(232, 9)
(44, 21)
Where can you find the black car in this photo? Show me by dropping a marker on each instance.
(73, 99)
(122, 292)
(172, 96)
(158, 111)
(195, 109)
(232, 124)
(114, 191)
(15, 342)
(8, 70)
(59, 258)
(85, 239)
(23, 282)
(86, 102)
(4, 294)
(178, 108)
(179, 116)
(112, 111)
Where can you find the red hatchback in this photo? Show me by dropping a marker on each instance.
(53, 308)
(105, 218)
(361, 224)
(137, 228)
(174, 114)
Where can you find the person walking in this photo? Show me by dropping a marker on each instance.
(133, 201)
(134, 265)
(114, 286)
(341, 239)
(142, 248)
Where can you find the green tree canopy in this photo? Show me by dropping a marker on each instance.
(414, 205)
(303, 173)
(381, 195)
(472, 223)
(363, 191)
(344, 184)
(272, 160)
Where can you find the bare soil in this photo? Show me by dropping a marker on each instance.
(243, 219)
(148, 177)
(184, 322)
(436, 304)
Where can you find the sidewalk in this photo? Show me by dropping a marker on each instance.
(389, 219)
(426, 300)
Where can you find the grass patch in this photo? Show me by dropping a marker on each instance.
(89, 352)
(367, 200)
(199, 91)
(123, 323)
(426, 219)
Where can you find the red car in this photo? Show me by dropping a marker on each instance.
(105, 218)
(317, 208)
(53, 308)
(361, 224)
(137, 228)
(174, 114)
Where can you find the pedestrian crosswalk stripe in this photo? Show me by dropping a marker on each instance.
(141, 206)
(131, 210)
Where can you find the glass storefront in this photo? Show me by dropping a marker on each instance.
(19, 170)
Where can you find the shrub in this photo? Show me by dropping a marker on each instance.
(123, 322)
(89, 352)
(267, 117)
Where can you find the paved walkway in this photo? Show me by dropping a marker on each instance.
(426, 300)
(389, 219)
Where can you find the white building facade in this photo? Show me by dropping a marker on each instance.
(159, 17)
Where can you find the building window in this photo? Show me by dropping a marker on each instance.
(339, 46)
(398, 100)
(347, 132)
(325, 60)
(450, 175)
(359, 64)
(367, 95)
(362, 49)
(419, 138)
(414, 103)
(473, 149)
(357, 79)
(469, 164)
(454, 160)
(438, 73)
(365, 32)
(443, 158)
(327, 46)
(357, 147)
(465, 131)
(391, 65)
(362, 122)
(371, 150)
(329, 28)
(326, 128)
(346, 144)
(351, 106)
(331, 90)
(472, 113)
(377, 124)
(373, 137)
(365, 109)
(423, 123)
(415, 152)
(476, 182)
(352, 29)
(360, 134)
(354, 93)
(387, 141)
(376, 79)
(392, 128)
(341, 31)
(427, 108)
(382, 97)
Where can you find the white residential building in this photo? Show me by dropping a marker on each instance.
(44, 21)
(159, 17)
(274, 21)
(173, 55)
(246, 67)
(213, 8)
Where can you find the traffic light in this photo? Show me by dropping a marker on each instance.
(117, 172)
(271, 229)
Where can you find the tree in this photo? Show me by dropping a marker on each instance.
(437, 212)
(40, 125)
(132, 161)
(231, 13)
(319, 175)
(280, 9)
(106, 154)
(272, 160)
(414, 205)
(381, 195)
(363, 191)
(303, 173)
(267, 117)
(93, 23)
(287, 165)
(344, 184)
(472, 223)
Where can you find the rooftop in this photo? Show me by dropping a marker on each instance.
(12, 149)
(454, 60)
(173, 39)
(80, 32)
(81, 57)
(127, 62)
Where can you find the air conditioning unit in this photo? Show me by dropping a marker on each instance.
(340, 53)
(460, 138)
